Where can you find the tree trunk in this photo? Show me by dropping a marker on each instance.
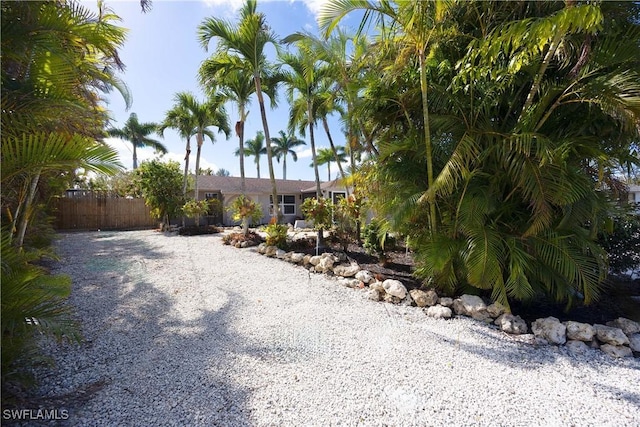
(199, 139)
(135, 157)
(185, 178)
(24, 221)
(320, 241)
(265, 125)
(335, 152)
(284, 166)
(427, 138)
(243, 185)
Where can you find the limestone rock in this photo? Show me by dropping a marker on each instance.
(377, 285)
(325, 265)
(364, 276)
(306, 260)
(270, 251)
(346, 270)
(577, 346)
(424, 299)
(496, 309)
(439, 312)
(629, 327)
(391, 299)
(280, 254)
(470, 305)
(445, 301)
(262, 247)
(512, 324)
(609, 335)
(550, 329)
(374, 294)
(394, 288)
(297, 257)
(616, 350)
(579, 331)
(634, 342)
(349, 283)
(315, 260)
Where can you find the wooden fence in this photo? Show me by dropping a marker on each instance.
(93, 211)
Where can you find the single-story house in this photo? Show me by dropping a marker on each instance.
(291, 193)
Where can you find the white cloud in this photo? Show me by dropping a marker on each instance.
(303, 153)
(314, 5)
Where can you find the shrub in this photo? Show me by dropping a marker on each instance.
(622, 244)
(276, 234)
(195, 209)
(376, 238)
(246, 210)
(320, 211)
(346, 216)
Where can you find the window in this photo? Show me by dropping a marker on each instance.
(287, 204)
(208, 196)
(337, 195)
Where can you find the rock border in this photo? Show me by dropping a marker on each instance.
(618, 338)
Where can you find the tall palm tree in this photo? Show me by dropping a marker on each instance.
(246, 44)
(284, 145)
(138, 135)
(254, 147)
(326, 156)
(420, 25)
(180, 119)
(205, 114)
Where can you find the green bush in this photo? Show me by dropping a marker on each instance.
(276, 235)
(376, 238)
(622, 244)
(195, 209)
(319, 211)
(246, 210)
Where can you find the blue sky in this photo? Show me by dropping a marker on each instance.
(162, 56)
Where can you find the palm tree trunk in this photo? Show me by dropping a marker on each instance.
(199, 140)
(258, 165)
(135, 157)
(284, 166)
(320, 241)
(333, 148)
(427, 138)
(265, 125)
(22, 230)
(185, 178)
(240, 132)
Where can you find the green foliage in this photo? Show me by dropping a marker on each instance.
(347, 215)
(244, 209)
(622, 244)
(276, 235)
(161, 188)
(320, 211)
(32, 303)
(195, 209)
(375, 238)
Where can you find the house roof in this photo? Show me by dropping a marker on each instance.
(330, 185)
(233, 185)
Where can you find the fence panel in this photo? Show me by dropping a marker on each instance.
(91, 211)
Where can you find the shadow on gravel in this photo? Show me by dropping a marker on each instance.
(146, 359)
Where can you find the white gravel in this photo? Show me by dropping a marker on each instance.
(185, 331)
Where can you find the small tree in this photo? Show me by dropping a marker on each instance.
(161, 185)
(319, 211)
(195, 209)
(246, 210)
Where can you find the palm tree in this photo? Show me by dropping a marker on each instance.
(282, 146)
(327, 155)
(203, 115)
(180, 119)
(246, 44)
(138, 135)
(420, 26)
(254, 147)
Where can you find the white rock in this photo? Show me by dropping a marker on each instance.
(346, 270)
(550, 329)
(280, 254)
(270, 250)
(512, 324)
(315, 260)
(576, 346)
(364, 276)
(377, 285)
(350, 283)
(306, 260)
(391, 299)
(394, 288)
(579, 331)
(629, 327)
(469, 305)
(496, 309)
(374, 294)
(634, 342)
(616, 350)
(445, 301)
(325, 265)
(424, 299)
(439, 312)
(297, 257)
(262, 247)
(609, 335)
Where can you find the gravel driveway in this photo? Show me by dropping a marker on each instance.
(185, 331)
